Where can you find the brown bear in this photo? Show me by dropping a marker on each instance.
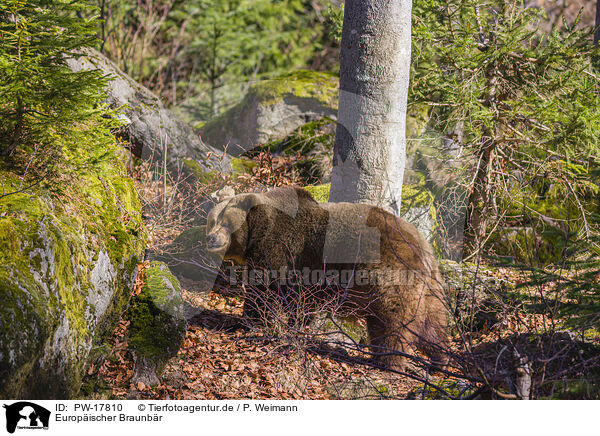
(360, 259)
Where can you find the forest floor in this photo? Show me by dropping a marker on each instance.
(222, 359)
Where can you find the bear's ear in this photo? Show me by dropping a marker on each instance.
(222, 194)
(248, 201)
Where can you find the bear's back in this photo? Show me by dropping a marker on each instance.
(292, 229)
(287, 229)
(365, 234)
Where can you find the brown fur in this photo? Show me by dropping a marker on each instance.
(286, 227)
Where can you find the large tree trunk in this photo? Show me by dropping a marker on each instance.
(369, 152)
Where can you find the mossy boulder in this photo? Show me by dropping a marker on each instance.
(158, 324)
(187, 257)
(273, 109)
(68, 260)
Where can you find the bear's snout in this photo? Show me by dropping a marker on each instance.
(212, 240)
(215, 241)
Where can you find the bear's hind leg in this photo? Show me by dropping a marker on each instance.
(434, 341)
(388, 344)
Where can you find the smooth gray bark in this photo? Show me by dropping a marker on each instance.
(369, 152)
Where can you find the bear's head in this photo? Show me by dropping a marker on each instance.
(237, 221)
(226, 227)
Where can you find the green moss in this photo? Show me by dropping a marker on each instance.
(456, 389)
(203, 176)
(243, 166)
(156, 314)
(417, 196)
(92, 386)
(163, 287)
(322, 86)
(194, 167)
(50, 240)
(417, 118)
(418, 208)
(319, 192)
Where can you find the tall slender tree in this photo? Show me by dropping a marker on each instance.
(597, 32)
(369, 151)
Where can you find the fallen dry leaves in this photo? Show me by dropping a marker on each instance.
(222, 360)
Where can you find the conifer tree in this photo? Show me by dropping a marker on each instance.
(526, 102)
(228, 41)
(43, 104)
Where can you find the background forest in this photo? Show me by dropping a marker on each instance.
(502, 177)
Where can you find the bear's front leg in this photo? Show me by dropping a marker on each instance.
(255, 308)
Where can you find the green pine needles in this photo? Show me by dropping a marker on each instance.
(525, 103)
(46, 110)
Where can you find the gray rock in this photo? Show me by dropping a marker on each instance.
(272, 110)
(64, 282)
(103, 282)
(151, 128)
